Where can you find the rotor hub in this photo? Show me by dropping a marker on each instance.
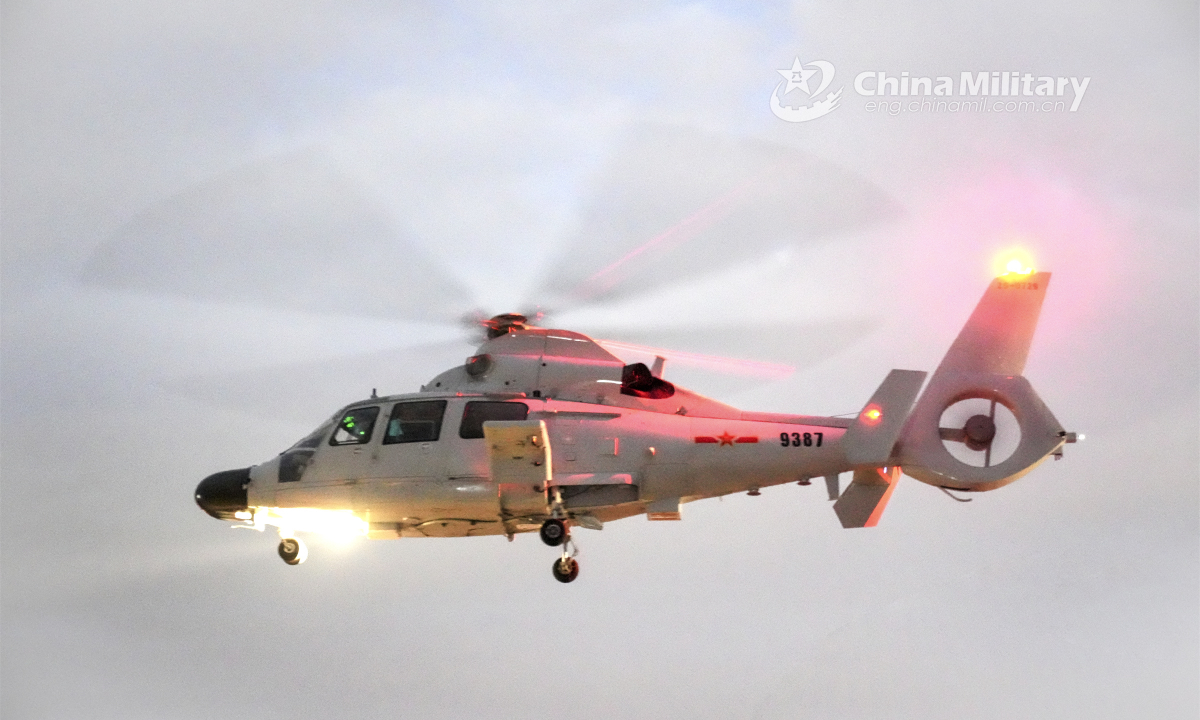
(980, 431)
(503, 324)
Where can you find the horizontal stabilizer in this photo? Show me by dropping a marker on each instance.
(869, 441)
(864, 500)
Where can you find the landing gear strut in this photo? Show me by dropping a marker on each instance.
(554, 533)
(293, 551)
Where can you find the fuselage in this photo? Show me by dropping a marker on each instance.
(609, 462)
(622, 442)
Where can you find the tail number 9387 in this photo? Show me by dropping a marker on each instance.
(808, 439)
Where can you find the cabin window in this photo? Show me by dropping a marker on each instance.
(415, 422)
(355, 427)
(478, 412)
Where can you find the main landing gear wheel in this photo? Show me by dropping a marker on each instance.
(553, 533)
(566, 569)
(293, 551)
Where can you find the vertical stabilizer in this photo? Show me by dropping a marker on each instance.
(996, 338)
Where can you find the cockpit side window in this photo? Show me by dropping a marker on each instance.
(296, 459)
(355, 427)
(480, 411)
(415, 422)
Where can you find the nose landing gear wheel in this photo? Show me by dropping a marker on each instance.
(566, 569)
(292, 551)
(553, 532)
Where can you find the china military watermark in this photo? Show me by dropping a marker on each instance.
(984, 91)
(796, 81)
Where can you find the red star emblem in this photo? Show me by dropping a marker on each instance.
(726, 438)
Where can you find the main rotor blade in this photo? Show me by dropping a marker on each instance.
(288, 233)
(751, 349)
(676, 202)
(732, 366)
(309, 392)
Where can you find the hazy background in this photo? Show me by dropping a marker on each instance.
(222, 221)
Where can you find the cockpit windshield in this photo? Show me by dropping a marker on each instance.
(314, 438)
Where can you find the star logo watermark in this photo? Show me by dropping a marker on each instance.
(797, 78)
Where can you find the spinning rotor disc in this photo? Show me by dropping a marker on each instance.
(979, 432)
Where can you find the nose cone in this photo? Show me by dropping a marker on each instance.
(223, 494)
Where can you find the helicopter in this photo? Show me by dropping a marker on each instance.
(544, 430)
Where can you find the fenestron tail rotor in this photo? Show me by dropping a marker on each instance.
(980, 432)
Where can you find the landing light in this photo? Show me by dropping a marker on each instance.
(336, 523)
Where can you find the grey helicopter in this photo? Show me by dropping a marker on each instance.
(544, 430)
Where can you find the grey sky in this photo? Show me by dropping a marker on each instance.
(167, 313)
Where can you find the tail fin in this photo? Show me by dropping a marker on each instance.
(996, 338)
(979, 424)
